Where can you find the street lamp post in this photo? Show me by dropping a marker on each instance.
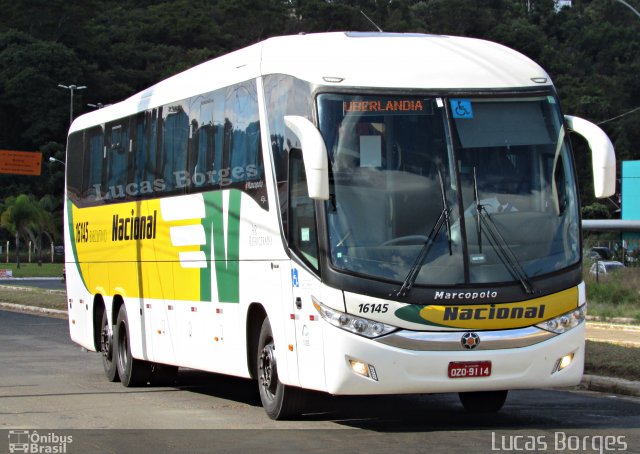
(52, 159)
(71, 88)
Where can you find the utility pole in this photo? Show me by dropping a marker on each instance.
(71, 89)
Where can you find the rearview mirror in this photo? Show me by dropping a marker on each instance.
(603, 157)
(314, 155)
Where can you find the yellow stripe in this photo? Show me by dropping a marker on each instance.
(502, 316)
(148, 268)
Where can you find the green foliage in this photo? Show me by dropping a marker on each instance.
(614, 295)
(596, 210)
(118, 47)
(47, 269)
(30, 71)
(27, 220)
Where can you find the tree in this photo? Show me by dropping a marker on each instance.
(19, 217)
(34, 110)
(596, 210)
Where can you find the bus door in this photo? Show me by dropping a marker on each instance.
(305, 281)
(309, 344)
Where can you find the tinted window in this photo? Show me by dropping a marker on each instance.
(175, 135)
(93, 181)
(284, 95)
(201, 143)
(74, 164)
(117, 157)
(303, 234)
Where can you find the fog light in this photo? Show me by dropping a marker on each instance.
(359, 367)
(364, 369)
(563, 363)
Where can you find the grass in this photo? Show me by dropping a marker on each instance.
(611, 360)
(616, 295)
(34, 270)
(30, 296)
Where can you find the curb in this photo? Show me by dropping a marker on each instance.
(36, 309)
(16, 286)
(616, 323)
(9, 279)
(610, 385)
(613, 326)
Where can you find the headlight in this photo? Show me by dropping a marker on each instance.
(565, 322)
(351, 323)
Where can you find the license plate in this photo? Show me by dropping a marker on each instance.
(469, 369)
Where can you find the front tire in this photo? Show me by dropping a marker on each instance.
(132, 372)
(279, 401)
(483, 401)
(107, 349)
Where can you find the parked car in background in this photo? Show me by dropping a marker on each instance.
(599, 253)
(605, 267)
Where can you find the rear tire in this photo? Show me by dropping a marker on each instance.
(107, 348)
(132, 372)
(483, 401)
(279, 401)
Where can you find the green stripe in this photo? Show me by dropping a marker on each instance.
(73, 241)
(225, 256)
(411, 313)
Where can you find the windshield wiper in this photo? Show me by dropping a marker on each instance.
(503, 251)
(476, 199)
(443, 219)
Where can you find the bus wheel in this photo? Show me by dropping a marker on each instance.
(133, 372)
(106, 348)
(483, 401)
(279, 401)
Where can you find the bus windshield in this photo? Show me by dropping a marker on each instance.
(507, 185)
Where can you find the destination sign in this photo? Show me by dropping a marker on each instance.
(387, 106)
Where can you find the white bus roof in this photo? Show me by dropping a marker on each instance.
(377, 60)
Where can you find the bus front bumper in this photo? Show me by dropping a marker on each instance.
(355, 365)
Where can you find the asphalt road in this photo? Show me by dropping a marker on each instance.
(52, 389)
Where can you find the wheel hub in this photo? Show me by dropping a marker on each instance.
(105, 342)
(268, 372)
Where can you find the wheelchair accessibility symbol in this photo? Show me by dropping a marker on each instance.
(461, 108)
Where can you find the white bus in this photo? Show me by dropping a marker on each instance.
(352, 213)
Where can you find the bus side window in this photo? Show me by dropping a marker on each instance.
(75, 166)
(202, 144)
(242, 153)
(117, 157)
(173, 157)
(303, 236)
(93, 181)
(140, 145)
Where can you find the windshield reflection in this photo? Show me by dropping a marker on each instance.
(385, 155)
(385, 196)
(524, 182)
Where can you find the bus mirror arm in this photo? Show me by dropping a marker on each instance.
(603, 157)
(314, 155)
